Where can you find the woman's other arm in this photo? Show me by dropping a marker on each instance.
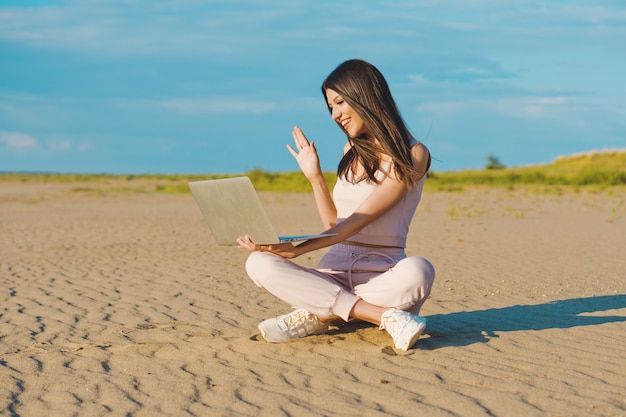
(381, 200)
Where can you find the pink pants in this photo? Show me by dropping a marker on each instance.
(385, 277)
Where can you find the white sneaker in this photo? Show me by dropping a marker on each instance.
(299, 323)
(405, 328)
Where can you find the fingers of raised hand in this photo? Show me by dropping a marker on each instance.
(292, 151)
(299, 138)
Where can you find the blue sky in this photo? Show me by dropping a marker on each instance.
(193, 86)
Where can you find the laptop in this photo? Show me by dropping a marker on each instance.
(232, 208)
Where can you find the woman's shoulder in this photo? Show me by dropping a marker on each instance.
(419, 150)
(420, 155)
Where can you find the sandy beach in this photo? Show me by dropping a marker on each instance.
(121, 304)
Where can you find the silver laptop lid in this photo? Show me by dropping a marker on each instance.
(231, 208)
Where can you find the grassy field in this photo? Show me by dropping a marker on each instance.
(593, 171)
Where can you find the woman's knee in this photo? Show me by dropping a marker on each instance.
(418, 277)
(260, 265)
(420, 271)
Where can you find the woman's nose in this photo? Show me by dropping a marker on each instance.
(335, 114)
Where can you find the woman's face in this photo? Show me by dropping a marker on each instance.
(344, 115)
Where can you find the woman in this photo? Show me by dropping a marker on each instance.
(366, 274)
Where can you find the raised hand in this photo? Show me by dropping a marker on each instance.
(305, 155)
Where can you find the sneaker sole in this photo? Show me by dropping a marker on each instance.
(281, 340)
(266, 337)
(413, 340)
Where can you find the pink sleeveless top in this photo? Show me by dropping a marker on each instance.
(390, 229)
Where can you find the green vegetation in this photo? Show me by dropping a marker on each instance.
(163, 183)
(494, 163)
(287, 181)
(594, 170)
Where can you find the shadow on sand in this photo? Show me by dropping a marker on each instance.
(469, 327)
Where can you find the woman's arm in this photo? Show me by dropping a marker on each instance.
(308, 160)
(386, 195)
(324, 201)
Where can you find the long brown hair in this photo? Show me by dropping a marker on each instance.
(365, 89)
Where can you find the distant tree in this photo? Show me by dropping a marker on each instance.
(493, 162)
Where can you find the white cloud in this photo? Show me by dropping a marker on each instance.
(212, 106)
(221, 105)
(543, 107)
(18, 141)
(23, 143)
(86, 146)
(443, 107)
(559, 109)
(552, 100)
(61, 145)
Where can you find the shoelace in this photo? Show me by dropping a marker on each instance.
(300, 323)
(395, 322)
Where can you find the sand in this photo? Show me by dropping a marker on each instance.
(121, 304)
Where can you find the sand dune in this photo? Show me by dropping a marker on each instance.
(122, 304)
